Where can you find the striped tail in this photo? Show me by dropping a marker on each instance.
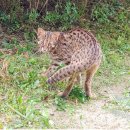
(69, 70)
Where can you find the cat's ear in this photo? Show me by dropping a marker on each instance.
(40, 32)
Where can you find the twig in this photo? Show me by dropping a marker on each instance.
(37, 5)
(30, 5)
(44, 6)
(16, 111)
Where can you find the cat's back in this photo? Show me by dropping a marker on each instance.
(81, 34)
(80, 38)
(84, 43)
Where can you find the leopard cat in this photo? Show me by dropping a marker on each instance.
(78, 49)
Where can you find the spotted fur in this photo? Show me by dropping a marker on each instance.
(78, 49)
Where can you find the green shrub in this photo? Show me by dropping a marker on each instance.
(64, 18)
(10, 22)
(106, 11)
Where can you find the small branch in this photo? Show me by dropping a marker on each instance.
(16, 111)
(37, 5)
(44, 6)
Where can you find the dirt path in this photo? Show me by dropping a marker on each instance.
(93, 115)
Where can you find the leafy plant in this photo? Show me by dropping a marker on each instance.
(104, 12)
(65, 18)
(77, 93)
(10, 21)
(60, 103)
(32, 16)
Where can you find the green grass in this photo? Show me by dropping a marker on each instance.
(25, 98)
(24, 95)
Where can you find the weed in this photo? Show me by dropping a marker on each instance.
(77, 93)
(64, 19)
(24, 94)
(60, 103)
(9, 21)
(105, 12)
(33, 15)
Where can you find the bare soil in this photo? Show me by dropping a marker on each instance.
(94, 114)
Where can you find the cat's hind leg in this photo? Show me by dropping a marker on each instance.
(69, 86)
(89, 76)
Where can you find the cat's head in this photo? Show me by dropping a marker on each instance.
(47, 40)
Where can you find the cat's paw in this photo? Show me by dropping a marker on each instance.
(92, 96)
(48, 81)
(62, 95)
